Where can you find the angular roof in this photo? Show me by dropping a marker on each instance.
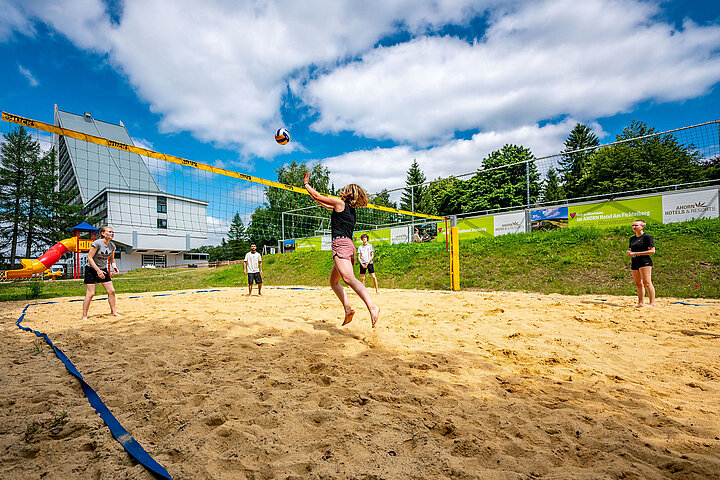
(97, 167)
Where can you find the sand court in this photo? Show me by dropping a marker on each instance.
(469, 385)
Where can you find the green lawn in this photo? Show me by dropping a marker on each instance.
(568, 261)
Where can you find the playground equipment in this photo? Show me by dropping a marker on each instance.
(48, 259)
(52, 275)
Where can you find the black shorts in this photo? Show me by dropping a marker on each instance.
(370, 269)
(636, 263)
(254, 277)
(91, 275)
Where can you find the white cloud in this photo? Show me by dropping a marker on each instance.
(220, 70)
(13, 19)
(546, 59)
(28, 74)
(382, 167)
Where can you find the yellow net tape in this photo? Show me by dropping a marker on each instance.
(8, 117)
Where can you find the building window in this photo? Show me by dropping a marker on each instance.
(162, 223)
(196, 256)
(162, 204)
(159, 261)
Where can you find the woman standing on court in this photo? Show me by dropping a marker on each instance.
(100, 257)
(641, 247)
(342, 226)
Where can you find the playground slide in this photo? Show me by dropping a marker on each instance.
(48, 259)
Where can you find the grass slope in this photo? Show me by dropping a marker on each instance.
(568, 261)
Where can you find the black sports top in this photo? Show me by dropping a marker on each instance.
(342, 224)
(643, 243)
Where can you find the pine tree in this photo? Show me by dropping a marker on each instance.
(552, 190)
(17, 153)
(412, 195)
(237, 242)
(572, 165)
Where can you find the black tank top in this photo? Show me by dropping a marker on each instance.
(342, 224)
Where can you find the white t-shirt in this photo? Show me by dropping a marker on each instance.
(364, 251)
(253, 262)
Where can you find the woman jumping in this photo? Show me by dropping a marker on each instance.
(342, 225)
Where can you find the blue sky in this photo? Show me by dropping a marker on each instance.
(363, 87)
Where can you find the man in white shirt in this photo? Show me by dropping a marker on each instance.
(366, 254)
(252, 265)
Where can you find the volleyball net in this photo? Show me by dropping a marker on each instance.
(151, 197)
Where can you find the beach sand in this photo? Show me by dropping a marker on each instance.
(466, 385)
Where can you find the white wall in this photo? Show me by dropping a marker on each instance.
(137, 212)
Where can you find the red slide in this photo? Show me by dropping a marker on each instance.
(48, 259)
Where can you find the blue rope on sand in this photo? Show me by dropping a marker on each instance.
(693, 304)
(118, 431)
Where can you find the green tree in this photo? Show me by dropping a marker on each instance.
(412, 195)
(265, 222)
(655, 161)
(39, 202)
(552, 190)
(572, 163)
(711, 169)
(443, 197)
(382, 199)
(237, 243)
(502, 182)
(17, 154)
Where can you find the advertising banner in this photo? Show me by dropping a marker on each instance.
(476, 227)
(326, 242)
(618, 213)
(401, 234)
(289, 245)
(509, 223)
(308, 244)
(549, 218)
(377, 237)
(679, 207)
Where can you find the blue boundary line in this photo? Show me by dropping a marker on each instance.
(118, 431)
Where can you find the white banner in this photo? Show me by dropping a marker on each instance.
(400, 234)
(326, 242)
(510, 223)
(679, 207)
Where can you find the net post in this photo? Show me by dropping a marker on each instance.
(454, 255)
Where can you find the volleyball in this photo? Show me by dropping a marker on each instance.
(282, 136)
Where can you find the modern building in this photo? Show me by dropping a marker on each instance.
(152, 227)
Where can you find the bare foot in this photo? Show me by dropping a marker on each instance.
(377, 291)
(116, 314)
(639, 305)
(651, 305)
(375, 315)
(84, 318)
(348, 317)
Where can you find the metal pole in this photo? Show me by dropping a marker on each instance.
(282, 225)
(412, 203)
(527, 181)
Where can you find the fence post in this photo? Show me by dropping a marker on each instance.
(527, 181)
(282, 225)
(454, 255)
